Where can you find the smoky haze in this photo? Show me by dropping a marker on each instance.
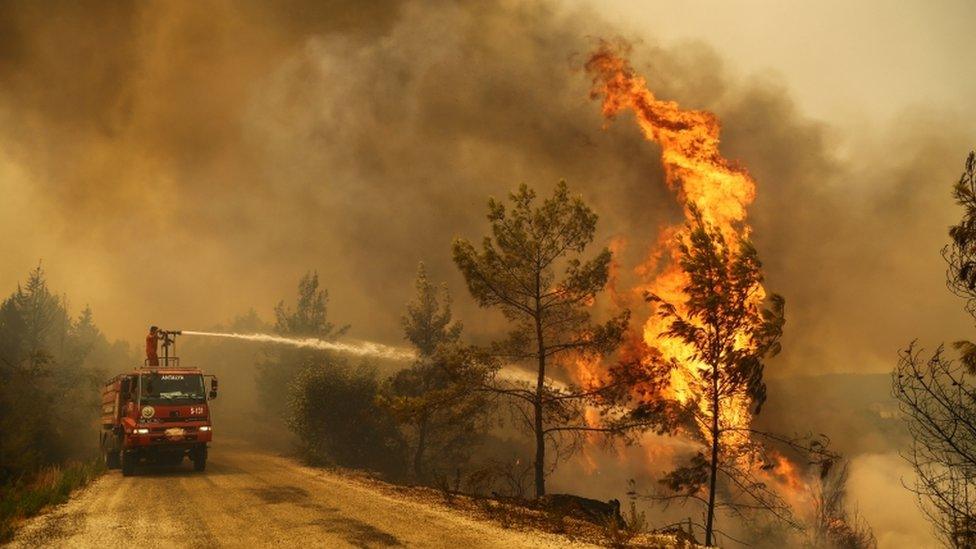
(177, 164)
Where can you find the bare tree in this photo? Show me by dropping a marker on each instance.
(937, 396)
(835, 526)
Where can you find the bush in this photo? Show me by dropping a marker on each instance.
(333, 410)
(620, 533)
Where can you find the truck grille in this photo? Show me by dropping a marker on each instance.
(189, 429)
(168, 440)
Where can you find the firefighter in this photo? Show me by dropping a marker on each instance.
(152, 342)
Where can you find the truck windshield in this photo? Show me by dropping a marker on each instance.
(162, 388)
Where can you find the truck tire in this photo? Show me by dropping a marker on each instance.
(200, 459)
(128, 464)
(111, 453)
(112, 460)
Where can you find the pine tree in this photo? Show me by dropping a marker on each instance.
(724, 322)
(532, 269)
(308, 318)
(437, 398)
(49, 379)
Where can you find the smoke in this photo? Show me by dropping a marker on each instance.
(178, 163)
(362, 348)
(878, 484)
(149, 148)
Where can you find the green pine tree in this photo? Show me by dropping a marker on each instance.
(532, 269)
(437, 399)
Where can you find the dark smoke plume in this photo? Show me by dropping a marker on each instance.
(214, 152)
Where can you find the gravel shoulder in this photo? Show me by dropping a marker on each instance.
(251, 498)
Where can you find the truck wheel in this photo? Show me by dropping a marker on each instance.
(128, 464)
(200, 459)
(112, 460)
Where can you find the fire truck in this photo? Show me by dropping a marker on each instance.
(157, 414)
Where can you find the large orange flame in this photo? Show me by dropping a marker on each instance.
(695, 168)
(718, 188)
(689, 141)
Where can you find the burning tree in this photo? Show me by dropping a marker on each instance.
(727, 332)
(437, 398)
(937, 396)
(713, 323)
(516, 271)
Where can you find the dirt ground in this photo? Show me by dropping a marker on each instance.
(251, 498)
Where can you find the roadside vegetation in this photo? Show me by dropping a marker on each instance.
(484, 426)
(51, 367)
(49, 486)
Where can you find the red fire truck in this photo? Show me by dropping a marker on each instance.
(157, 414)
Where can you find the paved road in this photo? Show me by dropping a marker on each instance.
(248, 498)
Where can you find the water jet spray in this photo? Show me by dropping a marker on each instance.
(360, 348)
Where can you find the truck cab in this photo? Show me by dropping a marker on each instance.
(157, 415)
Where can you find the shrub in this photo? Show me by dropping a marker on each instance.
(333, 410)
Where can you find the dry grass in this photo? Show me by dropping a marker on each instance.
(523, 515)
(50, 486)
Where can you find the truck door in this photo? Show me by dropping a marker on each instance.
(126, 392)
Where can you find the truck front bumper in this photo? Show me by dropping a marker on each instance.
(168, 436)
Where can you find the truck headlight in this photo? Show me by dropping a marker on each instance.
(141, 431)
(204, 427)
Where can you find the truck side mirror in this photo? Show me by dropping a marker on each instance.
(213, 388)
(125, 387)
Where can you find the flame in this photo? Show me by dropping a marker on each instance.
(721, 191)
(695, 169)
(689, 141)
(786, 473)
(588, 373)
(790, 482)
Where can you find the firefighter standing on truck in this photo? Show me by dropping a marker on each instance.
(152, 342)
